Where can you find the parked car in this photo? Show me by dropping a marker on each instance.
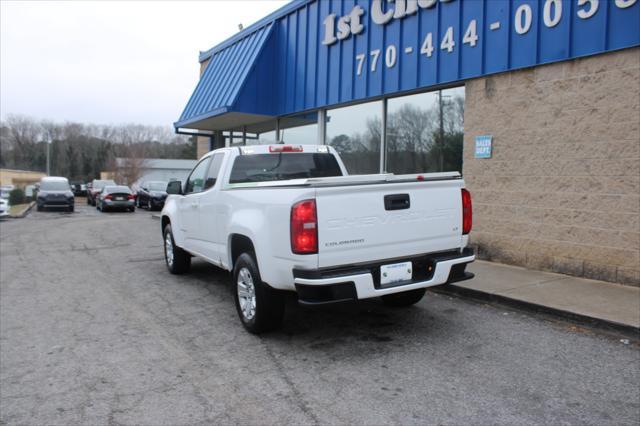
(284, 217)
(152, 195)
(96, 187)
(117, 197)
(55, 192)
(5, 190)
(79, 189)
(4, 208)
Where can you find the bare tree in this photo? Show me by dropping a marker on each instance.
(128, 169)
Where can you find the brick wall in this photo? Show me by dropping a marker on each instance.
(202, 146)
(562, 190)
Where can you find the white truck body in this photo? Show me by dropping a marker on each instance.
(359, 234)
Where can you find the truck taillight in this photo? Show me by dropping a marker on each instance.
(467, 212)
(304, 227)
(285, 148)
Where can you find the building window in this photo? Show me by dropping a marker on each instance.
(355, 132)
(425, 132)
(300, 129)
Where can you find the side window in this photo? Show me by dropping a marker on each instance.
(195, 182)
(214, 171)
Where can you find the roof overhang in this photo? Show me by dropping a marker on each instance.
(214, 103)
(255, 123)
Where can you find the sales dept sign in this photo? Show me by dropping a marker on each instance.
(597, 25)
(483, 146)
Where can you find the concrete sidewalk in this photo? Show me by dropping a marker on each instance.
(597, 300)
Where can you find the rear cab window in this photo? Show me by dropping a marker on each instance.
(283, 166)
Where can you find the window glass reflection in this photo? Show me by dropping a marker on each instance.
(425, 132)
(355, 132)
(300, 129)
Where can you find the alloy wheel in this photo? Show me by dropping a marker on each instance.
(246, 294)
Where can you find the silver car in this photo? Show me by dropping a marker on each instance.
(117, 197)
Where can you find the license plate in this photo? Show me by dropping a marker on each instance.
(397, 272)
(119, 198)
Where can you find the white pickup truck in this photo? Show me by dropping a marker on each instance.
(289, 218)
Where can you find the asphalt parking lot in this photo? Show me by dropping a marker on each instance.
(94, 330)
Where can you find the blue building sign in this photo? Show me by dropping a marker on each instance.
(483, 146)
(317, 53)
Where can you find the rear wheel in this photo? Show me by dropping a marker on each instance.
(71, 209)
(178, 261)
(149, 205)
(40, 208)
(259, 307)
(403, 299)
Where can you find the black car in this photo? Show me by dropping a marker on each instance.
(79, 189)
(55, 192)
(152, 195)
(95, 188)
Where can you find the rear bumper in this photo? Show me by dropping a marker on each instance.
(56, 203)
(118, 204)
(363, 281)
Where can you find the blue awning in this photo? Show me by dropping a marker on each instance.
(224, 78)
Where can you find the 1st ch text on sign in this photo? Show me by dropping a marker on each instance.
(351, 23)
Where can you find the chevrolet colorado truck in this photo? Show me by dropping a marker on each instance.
(289, 218)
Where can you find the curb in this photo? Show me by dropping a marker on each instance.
(451, 289)
(24, 212)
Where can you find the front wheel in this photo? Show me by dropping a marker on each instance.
(177, 260)
(407, 298)
(259, 307)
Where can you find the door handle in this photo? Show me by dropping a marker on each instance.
(397, 202)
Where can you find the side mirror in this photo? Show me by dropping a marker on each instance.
(174, 187)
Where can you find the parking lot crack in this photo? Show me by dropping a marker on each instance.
(299, 400)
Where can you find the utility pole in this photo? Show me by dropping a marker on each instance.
(441, 136)
(48, 140)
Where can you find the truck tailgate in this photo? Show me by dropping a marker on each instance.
(383, 221)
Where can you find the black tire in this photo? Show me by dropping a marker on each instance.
(150, 205)
(88, 201)
(40, 208)
(71, 208)
(269, 303)
(181, 262)
(407, 298)
(132, 209)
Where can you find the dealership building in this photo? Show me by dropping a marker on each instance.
(535, 102)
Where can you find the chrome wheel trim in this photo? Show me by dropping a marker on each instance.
(168, 249)
(246, 294)
(149, 204)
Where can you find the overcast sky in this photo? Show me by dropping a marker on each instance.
(111, 62)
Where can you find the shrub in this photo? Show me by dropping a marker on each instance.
(16, 196)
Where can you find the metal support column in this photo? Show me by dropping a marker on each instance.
(322, 127)
(383, 138)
